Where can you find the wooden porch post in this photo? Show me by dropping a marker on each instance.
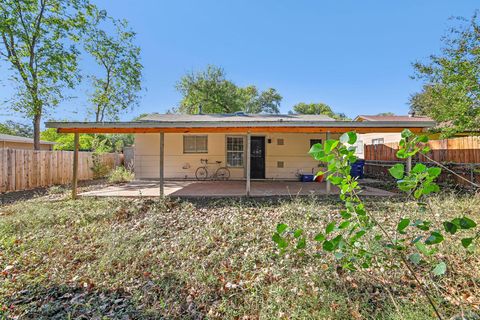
(75, 165)
(162, 163)
(329, 186)
(248, 164)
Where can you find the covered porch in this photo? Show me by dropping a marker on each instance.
(220, 189)
(238, 124)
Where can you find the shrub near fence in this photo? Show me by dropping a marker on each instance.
(28, 169)
(461, 155)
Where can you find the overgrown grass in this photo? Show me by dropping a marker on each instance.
(120, 174)
(215, 259)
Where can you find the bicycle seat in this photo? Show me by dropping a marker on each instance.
(218, 162)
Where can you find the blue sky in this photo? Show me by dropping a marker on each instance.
(353, 55)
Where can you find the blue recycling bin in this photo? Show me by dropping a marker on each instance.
(356, 170)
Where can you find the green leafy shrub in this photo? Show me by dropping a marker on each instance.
(119, 175)
(408, 243)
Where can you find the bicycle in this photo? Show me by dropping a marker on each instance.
(222, 173)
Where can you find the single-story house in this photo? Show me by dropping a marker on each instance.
(16, 142)
(384, 137)
(251, 146)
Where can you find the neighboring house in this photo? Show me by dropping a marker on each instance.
(383, 137)
(16, 142)
(257, 146)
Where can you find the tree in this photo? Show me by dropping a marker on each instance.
(38, 44)
(451, 92)
(66, 141)
(423, 103)
(16, 129)
(383, 114)
(216, 94)
(318, 108)
(118, 86)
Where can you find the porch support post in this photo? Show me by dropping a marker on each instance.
(248, 164)
(329, 186)
(75, 165)
(162, 165)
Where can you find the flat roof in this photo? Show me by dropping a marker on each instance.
(18, 139)
(236, 123)
(406, 118)
(234, 117)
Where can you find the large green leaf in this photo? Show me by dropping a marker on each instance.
(419, 167)
(348, 137)
(328, 246)
(402, 225)
(281, 242)
(434, 238)
(330, 227)
(302, 243)
(450, 227)
(330, 145)
(467, 223)
(281, 227)
(440, 269)
(466, 242)
(406, 133)
(319, 237)
(397, 171)
(434, 172)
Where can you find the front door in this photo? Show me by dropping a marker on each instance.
(257, 158)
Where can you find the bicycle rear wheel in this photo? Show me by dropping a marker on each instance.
(223, 173)
(201, 173)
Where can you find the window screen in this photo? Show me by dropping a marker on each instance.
(235, 151)
(195, 144)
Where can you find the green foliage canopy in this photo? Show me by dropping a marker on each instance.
(318, 108)
(118, 85)
(216, 94)
(38, 43)
(451, 94)
(16, 129)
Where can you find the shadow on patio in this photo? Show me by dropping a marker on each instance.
(220, 189)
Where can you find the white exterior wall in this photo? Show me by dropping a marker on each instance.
(293, 153)
(366, 139)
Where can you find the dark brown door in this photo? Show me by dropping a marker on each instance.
(257, 158)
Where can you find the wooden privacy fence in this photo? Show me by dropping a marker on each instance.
(457, 150)
(461, 155)
(28, 169)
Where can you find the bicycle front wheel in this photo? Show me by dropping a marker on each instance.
(223, 173)
(201, 173)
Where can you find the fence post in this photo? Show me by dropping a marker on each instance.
(162, 164)
(75, 165)
(247, 182)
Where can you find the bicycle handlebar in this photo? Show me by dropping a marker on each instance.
(206, 161)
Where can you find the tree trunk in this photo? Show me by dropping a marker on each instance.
(36, 131)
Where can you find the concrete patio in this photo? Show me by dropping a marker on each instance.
(220, 189)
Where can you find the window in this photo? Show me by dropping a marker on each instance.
(314, 141)
(377, 141)
(280, 142)
(235, 152)
(280, 164)
(195, 144)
